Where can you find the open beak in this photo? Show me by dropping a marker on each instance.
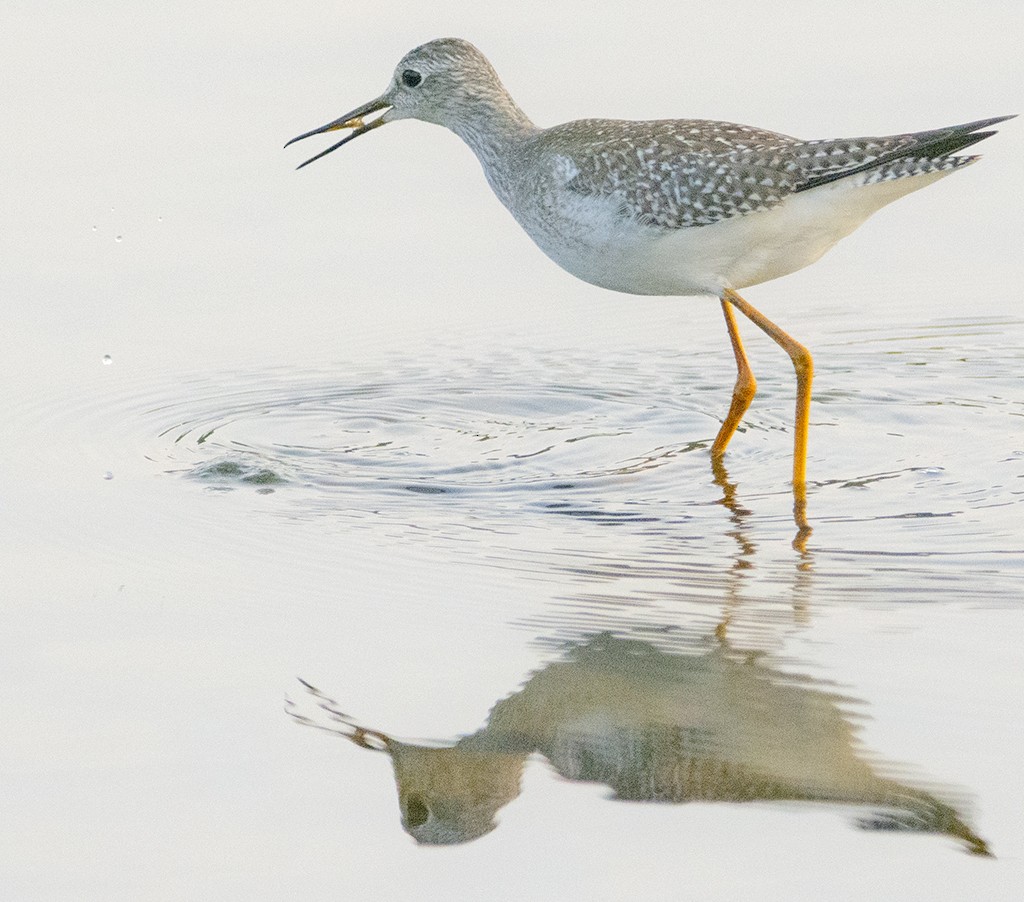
(353, 120)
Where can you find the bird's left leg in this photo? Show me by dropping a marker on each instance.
(744, 390)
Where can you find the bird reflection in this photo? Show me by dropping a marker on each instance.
(652, 725)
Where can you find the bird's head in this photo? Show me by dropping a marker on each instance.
(448, 82)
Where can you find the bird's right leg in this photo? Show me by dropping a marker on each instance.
(744, 390)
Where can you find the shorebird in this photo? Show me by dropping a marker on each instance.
(671, 206)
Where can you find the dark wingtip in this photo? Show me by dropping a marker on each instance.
(934, 144)
(952, 142)
(984, 123)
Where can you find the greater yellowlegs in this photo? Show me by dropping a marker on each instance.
(668, 207)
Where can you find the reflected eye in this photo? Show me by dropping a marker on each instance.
(416, 813)
(411, 78)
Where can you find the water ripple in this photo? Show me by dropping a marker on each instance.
(598, 470)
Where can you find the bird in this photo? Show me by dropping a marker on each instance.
(681, 207)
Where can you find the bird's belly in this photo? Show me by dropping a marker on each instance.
(628, 257)
(621, 254)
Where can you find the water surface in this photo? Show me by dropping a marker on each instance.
(347, 425)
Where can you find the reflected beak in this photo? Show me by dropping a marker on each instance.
(353, 120)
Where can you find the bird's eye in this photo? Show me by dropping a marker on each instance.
(411, 78)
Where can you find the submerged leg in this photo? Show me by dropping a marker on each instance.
(804, 366)
(744, 390)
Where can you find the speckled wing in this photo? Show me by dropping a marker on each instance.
(674, 174)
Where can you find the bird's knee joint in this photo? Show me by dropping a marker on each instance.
(803, 363)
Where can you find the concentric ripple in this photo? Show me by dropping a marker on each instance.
(463, 430)
(593, 468)
(527, 434)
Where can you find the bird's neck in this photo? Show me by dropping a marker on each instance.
(493, 127)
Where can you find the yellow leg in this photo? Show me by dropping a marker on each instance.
(743, 392)
(804, 366)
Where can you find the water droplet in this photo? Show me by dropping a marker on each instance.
(94, 228)
(108, 475)
(107, 360)
(118, 237)
(159, 219)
